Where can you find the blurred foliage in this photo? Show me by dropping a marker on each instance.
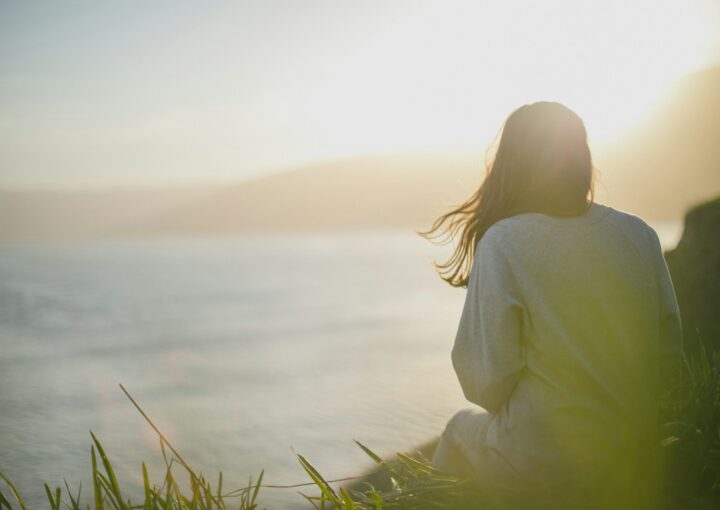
(691, 417)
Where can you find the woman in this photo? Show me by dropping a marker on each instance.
(569, 319)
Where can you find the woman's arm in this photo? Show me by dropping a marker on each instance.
(670, 326)
(487, 354)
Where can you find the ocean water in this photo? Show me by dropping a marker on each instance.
(244, 350)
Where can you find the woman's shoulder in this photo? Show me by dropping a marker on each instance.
(532, 227)
(634, 226)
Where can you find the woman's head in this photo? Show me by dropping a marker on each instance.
(542, 163)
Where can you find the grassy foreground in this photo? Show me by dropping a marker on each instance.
(690, 445)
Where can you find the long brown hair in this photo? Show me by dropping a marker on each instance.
(542, 164)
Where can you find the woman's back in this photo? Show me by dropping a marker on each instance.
(569, 316)
(564, 328)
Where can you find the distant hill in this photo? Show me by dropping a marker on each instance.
(84, 214)
(360, 193)
(669, 163)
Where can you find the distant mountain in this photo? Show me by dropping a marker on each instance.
(51, 215)
(360, 193)
(667, 164)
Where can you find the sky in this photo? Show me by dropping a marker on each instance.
(103, 94)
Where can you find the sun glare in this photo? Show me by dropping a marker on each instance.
(448, 74)
(237, 90)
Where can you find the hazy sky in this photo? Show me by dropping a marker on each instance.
(95, 94)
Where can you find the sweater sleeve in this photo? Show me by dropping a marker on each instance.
(670, 325)
(487, 355)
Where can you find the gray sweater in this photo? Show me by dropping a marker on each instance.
(565, 327)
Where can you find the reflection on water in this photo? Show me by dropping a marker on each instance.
(240, 348)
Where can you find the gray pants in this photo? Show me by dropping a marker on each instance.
(462, 452)
(462, 443)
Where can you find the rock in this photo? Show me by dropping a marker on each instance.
(695, 270)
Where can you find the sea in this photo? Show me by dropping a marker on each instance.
(244, 350)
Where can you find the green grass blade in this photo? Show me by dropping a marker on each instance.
(374, 456)
(107, 486)
(311, 500)
(108, 470)
(421, 466)
(54, 500)
(219, 487)
(74, 501)
(96, 483)
(14, 491)
(319, 480)
(4, 502)
(254, 496)
(349, 503)
(146, 487)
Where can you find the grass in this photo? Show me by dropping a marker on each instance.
(691, 446)
(691, 412)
